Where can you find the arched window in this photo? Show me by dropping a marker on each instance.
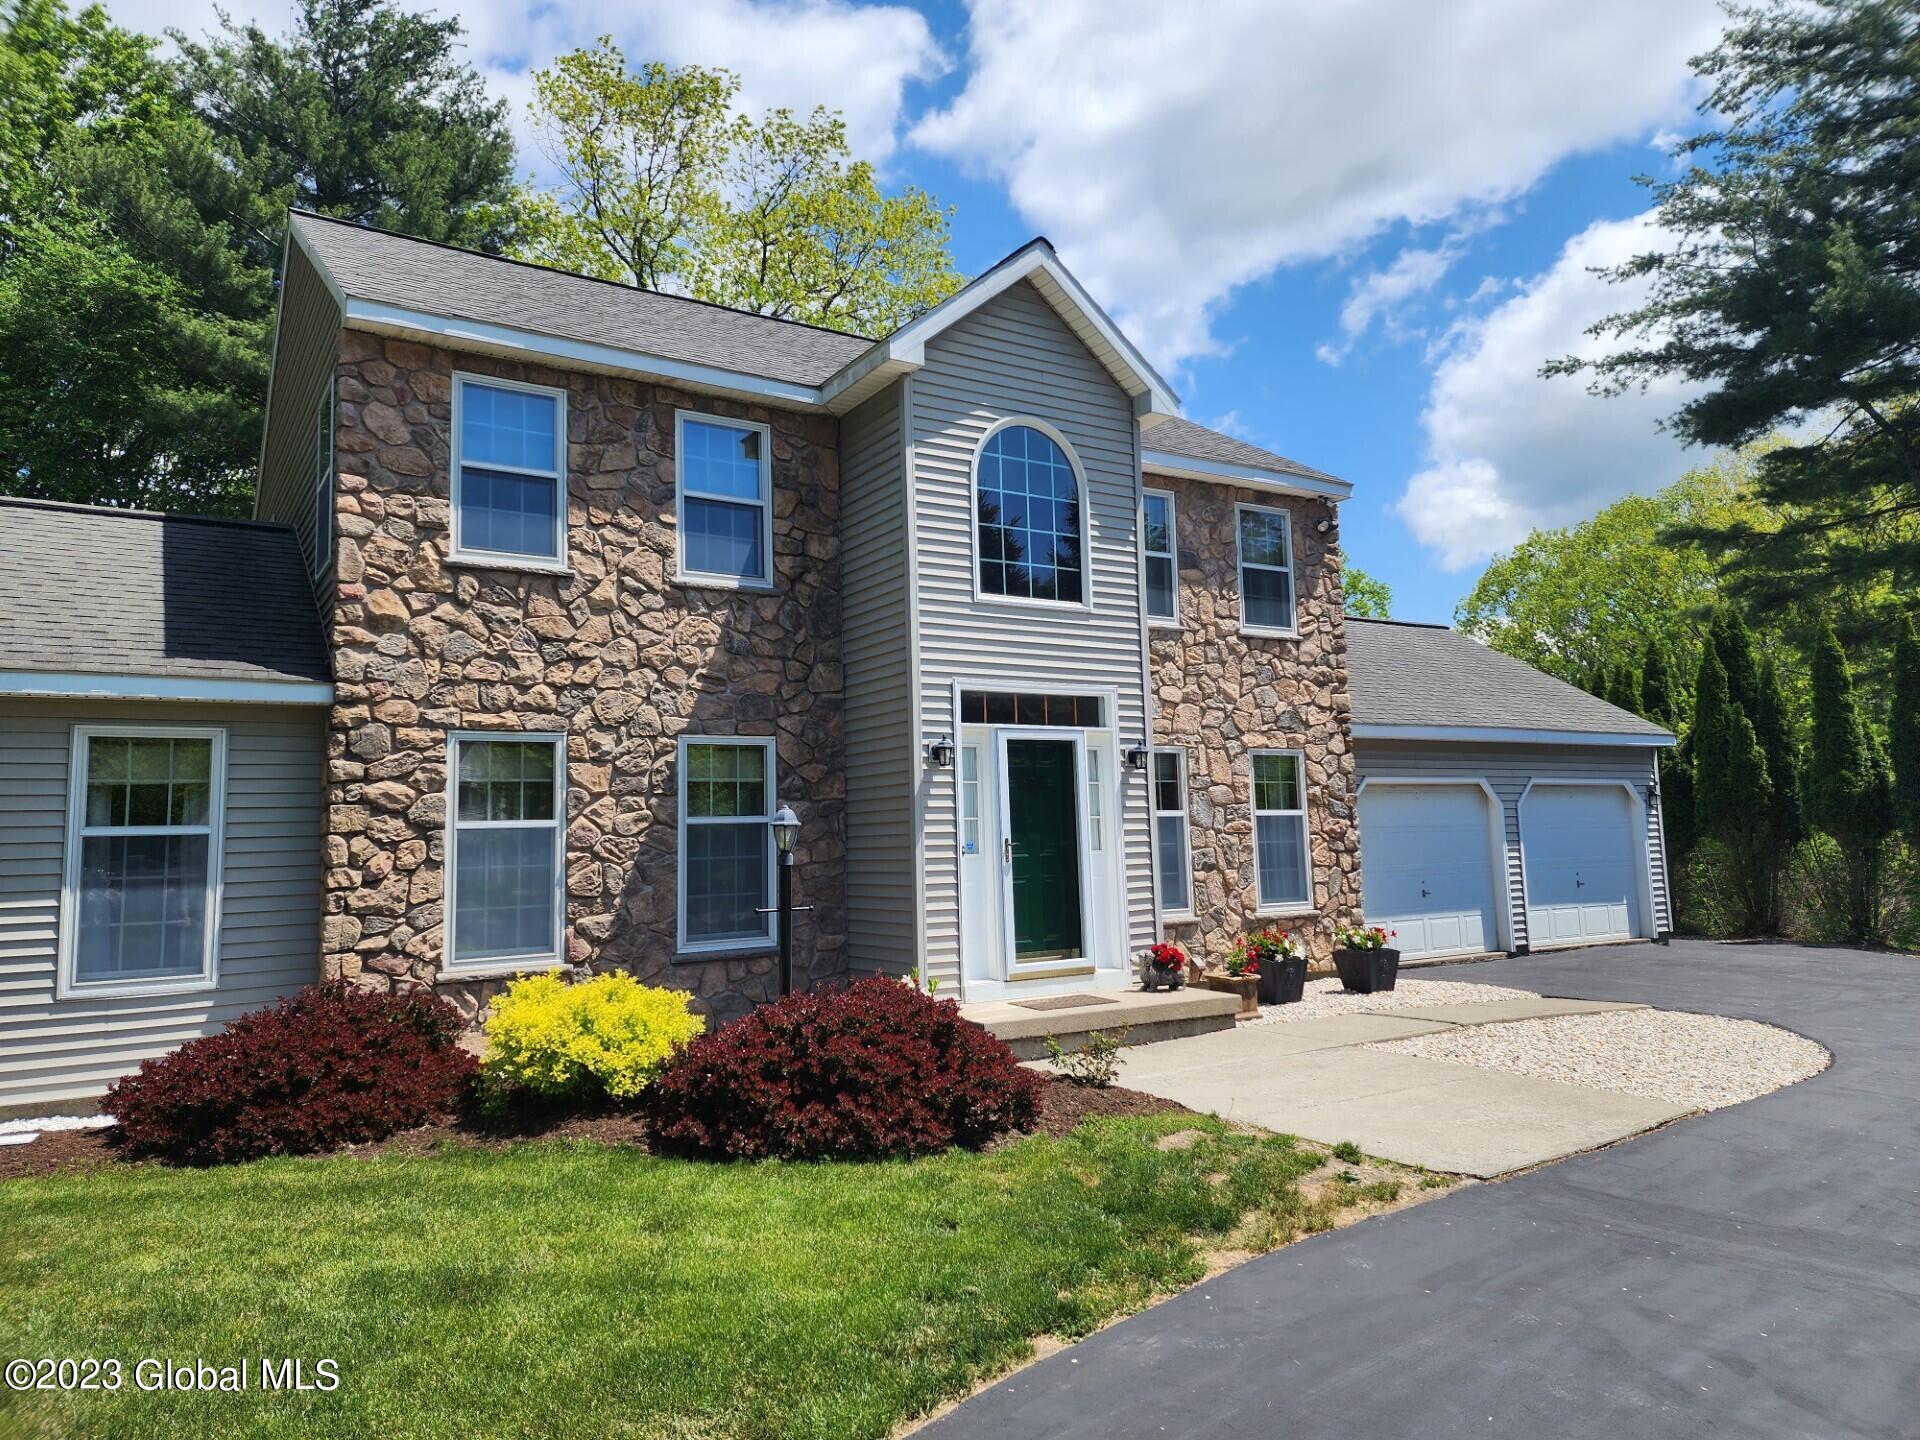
(1027, 518)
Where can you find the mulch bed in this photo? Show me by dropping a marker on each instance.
(59, 1152)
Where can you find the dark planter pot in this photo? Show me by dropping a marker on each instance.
(1365, 971)
(1152, 977)
(1282, 981)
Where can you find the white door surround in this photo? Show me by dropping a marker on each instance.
(1433, 864)
(987, 963)
(1585, 868)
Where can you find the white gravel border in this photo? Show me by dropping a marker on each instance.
(31, 1128)
(1706, 1062)
(1325, 997)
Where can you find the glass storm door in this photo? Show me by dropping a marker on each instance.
(1041, 804)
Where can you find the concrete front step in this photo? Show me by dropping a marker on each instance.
(1145, 1016)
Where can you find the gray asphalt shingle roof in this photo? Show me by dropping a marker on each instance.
(125, 592)
(1196, 442)
(419, 275)
(1402, 674)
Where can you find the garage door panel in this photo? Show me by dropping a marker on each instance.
(1582, 865)
(1426, 867)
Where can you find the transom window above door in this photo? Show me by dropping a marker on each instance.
(726, 506)
(1002, 707)
(1028, 518)
(509, 472)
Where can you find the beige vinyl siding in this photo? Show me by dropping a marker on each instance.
(56, 1053)
(306, 339)
(882, 759)
(1014, 356)
(1507, 769)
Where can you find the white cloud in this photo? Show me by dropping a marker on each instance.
(1379, 294)
(1509, 451)
(857, 59)
(1174, 155)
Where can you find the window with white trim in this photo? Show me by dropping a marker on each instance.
(726, 843)
(504, 849)
(970, 799)
(1266, 570)
(1158, 546)
(1027, 518)
(1169, 796)
(725, 479)
(323, 482)
(143, 866)
(509, 472)
(1280, 829)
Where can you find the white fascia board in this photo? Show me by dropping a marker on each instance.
(907, 346)
(1503, 735)
(1280, 482)
(532, 345)
(78, 685)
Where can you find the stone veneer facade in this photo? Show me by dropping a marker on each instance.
(1219, 694)
(617, 655)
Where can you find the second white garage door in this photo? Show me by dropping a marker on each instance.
(1426, 867)
(1583, 867)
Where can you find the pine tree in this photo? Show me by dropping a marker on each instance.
(1786, 826)
(1903, 733)
(1596, 682)
(1730, 637)
(1849, 789)
(1623, 688)
(1658, 702)
(1732, 795)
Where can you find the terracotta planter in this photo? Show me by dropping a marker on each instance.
(1365, 972)
(1282, 981)
(1247, 987)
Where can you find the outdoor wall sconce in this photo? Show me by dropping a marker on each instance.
(940, 753)
(1136, 757)
(1323, 527)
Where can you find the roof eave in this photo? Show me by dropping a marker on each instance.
(906, 349)
(1279, 482)
(1510, 735)
(132, 685)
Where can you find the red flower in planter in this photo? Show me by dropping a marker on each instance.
(1168, 957)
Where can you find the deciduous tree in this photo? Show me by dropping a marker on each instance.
(1366, 597)
(663, 186)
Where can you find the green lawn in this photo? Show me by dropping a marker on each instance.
(570, 1288)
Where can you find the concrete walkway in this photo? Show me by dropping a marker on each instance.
(1315, 1079)
(1748, 1273)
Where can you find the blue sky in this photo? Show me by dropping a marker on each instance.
(1350, 232)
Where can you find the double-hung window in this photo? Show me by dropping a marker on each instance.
(1169, 792)
(143, 860)
(1157, 543)
(504, 851)
(509, 473)
(726, 500)
(323, 482)
(726, 843)
(1266, 571)
(1280, 829)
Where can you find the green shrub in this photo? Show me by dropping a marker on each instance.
(601, 1039)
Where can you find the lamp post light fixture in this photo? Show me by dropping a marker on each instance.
(786, 829)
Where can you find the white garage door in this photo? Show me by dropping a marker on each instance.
(1426, 868)
(1583, 867)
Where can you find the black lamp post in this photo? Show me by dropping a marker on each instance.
(786, 829)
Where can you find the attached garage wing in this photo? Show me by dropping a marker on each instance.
(1427, 867)
(1583, 864)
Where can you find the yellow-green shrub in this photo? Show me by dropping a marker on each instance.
(607, 1036)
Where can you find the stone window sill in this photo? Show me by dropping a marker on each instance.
(528, 567)
(504, 970)
(729, 952)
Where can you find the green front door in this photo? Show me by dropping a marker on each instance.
(1043, 821)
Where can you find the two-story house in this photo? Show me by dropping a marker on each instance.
(559, 588)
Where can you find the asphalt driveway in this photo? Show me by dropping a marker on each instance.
(1752, 1272)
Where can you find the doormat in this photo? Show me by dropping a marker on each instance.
(1064, 1002)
